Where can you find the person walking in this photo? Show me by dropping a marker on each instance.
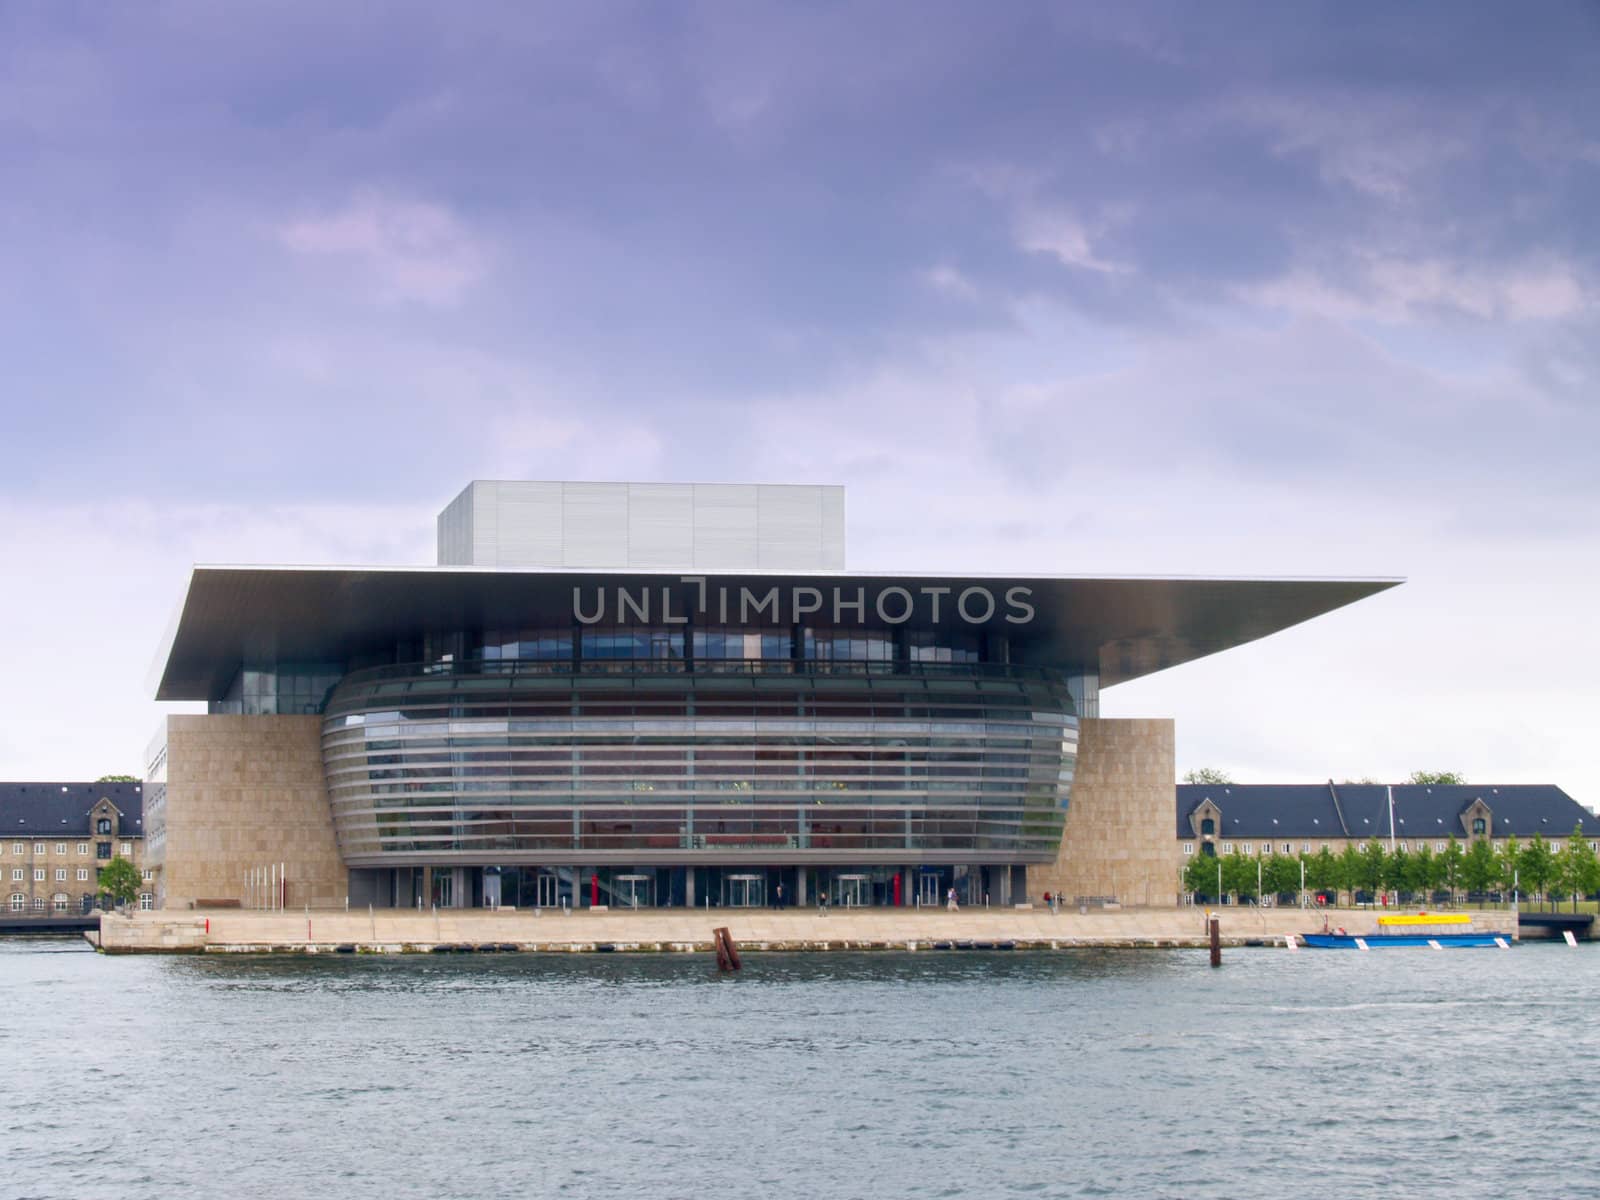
(777, 897)
(950, 901)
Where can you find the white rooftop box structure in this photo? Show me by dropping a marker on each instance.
(670, 526)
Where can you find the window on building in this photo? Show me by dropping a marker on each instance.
(61, 847)
(59, 902)
(61, 874)
(38, 874)
(83, 874)
(125, 849)
(148, 874)
(83, 847)
(1208, 827)
(17, 848)
(103, 825)
(1188, 847)
(38, 904)
(1247, 847)
(1227, 847)
(18, 901)
(1208, 849)
(17, 874)
(102, 850)
(38, 848)
(146, 901)
(1479, 827)
(1288, 848)
(1438, 847)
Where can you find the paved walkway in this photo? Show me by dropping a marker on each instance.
(395, 931)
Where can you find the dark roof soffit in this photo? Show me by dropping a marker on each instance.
(1124, 627)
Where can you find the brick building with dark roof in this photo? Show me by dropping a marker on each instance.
(55, 837)
(1303, 818)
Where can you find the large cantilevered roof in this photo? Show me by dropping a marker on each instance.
(1124, 627)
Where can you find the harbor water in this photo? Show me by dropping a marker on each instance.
(1082, 1073)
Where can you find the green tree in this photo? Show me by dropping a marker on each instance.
(1349, 867)
(1364, 781)
(1440, 870)
(1510, 864)
(1372, 874)
(1450, 866)
(1428, 778)
(120, 880)
(1280, 875)
(1206, 775)
(1577, 868)
(1322, 872)
(1423, 871)
(1239, 874)
(1398, 871)
(1200, 875)
(118, 779)
(1538, 866)
(1479, 867)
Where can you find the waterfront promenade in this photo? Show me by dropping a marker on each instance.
(684, 930)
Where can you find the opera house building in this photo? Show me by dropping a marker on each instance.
(673, 694)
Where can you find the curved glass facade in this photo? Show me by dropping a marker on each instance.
(747, 752)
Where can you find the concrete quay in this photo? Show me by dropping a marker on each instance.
(396, 931)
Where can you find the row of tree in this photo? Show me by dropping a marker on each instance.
(1537, 869)
(1211, 775)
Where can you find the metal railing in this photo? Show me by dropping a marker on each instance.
(875, 668)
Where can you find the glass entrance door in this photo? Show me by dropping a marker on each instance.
(852, 891)
(443, 887)
(929, 892)
(635, 891)
(548, 893)
(744, 891)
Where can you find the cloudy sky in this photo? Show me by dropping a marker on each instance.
(1219, 289)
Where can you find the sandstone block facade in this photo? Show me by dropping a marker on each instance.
(245, 792)
(1118, 841)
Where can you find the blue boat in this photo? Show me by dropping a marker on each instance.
(1436, 931)
(1387, 941)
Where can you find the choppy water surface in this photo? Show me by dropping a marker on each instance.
(1118, 1073)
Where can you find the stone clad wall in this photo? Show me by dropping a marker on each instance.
(245, 792)
(1118, 840)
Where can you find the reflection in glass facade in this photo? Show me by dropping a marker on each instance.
(762, 756)
(279, 688)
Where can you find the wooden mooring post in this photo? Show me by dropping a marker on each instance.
(727, 951)
(1216, 942)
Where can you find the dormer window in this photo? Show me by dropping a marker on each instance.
(1208, 827)
(1479, 827)
(103, 825)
